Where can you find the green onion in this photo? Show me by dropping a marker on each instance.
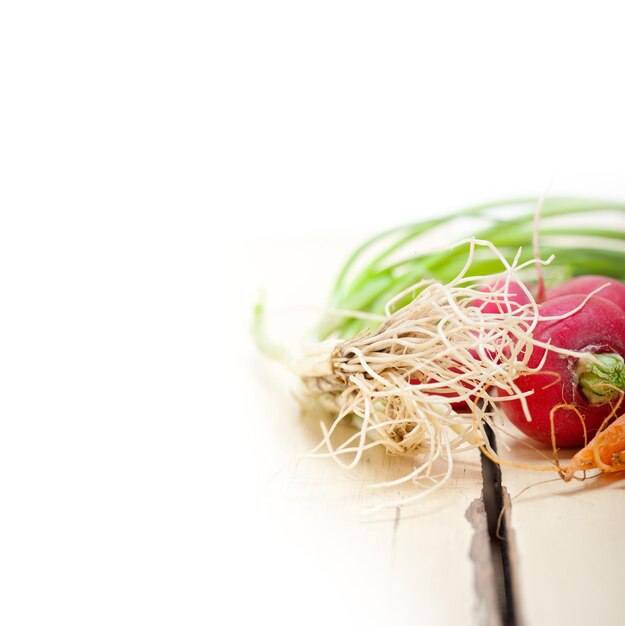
(390, 262)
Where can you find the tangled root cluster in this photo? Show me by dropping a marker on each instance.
(425, 383)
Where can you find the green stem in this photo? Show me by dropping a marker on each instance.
(601, 377)
(391, 261)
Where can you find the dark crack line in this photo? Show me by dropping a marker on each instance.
(492, 494)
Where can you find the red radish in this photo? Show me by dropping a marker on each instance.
(598, 328)
(459, 407)
(515, 293)
(615, 291)
(517, 298)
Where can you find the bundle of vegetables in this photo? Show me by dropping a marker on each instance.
(585, 236)
(424, 349)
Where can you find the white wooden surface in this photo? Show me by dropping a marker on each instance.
(147, 471)
(568, 541)
(314, 546)
(326, 554)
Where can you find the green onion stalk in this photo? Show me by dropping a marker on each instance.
(404, 342)
(585, 236)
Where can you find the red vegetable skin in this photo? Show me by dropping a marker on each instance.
(615, 291)
(459, 407)
(516, 296)
(598, 328)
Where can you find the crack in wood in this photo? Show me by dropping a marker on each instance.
(487, 612)
(492, 550)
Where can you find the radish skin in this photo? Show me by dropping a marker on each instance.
(610, 288)
(515, 297)
(510, 298)
(598, 327)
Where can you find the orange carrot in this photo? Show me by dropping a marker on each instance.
(606, 451)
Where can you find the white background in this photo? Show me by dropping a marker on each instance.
(147, 149)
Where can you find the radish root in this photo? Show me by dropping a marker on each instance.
(397, 385)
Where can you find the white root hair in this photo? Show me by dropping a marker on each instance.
(399, 386)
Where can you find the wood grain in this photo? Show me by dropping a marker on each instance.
(411, 566)
(568, 539)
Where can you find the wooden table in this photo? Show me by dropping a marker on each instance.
(315, 556)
